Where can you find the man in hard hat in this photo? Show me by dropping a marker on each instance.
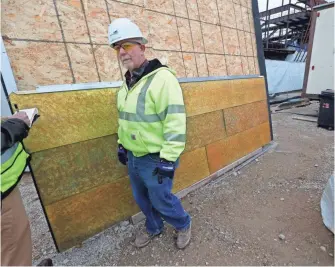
(152, 133)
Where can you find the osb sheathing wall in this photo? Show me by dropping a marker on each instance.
(65, 41)
(84, 188)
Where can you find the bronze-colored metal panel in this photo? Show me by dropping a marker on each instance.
(69, 117)
(204, 129)
(193, 168)
(203, 97)
(241, 118)
(226, 151)
(64, 171)
(80, 216)
(62, 121)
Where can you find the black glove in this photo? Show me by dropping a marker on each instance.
(164, 169)
(122, 155)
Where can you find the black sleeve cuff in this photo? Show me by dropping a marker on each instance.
(14, 130)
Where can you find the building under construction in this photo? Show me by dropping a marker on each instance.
(286, 29)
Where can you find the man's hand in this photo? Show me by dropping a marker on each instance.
(122, 155)
(21, 115)
(164, 169)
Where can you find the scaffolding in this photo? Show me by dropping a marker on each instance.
(286, 28)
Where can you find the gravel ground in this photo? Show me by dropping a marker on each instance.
(269, 214)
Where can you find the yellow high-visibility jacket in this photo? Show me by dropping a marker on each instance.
(13, 164)
(152, 116)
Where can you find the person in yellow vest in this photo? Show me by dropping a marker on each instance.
(16, 247)
(152, 133)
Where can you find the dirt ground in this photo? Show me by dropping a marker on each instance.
(237, 219)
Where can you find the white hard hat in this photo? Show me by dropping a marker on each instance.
(122, 29)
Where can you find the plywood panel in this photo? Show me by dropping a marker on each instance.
(173, 59)
(202, 65)
(230, 41)
(80, 216)
(180, 8)
(248, 43)
(251, 62)
(226, 151)
(64, 120)
(239, 18)
(107, 62)
(160, 5)
(197, 36)
(203, 97)
(64, 171)
(204, 129)
(70, 11)
(193, 168)
(208, 11)
(245, 17)
(171, 26)
(192, 7)
(35, 19)
(227, 13)
(241, 39)
(245, 65)
(163, 31)
(97, 20)
(140, 3)
(83, 64)
(190, 65)
(185, 34)
(241, 118)
(212, 38)
(234, 65)
(38, 64)
(216, 65)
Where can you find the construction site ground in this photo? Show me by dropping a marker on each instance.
(266, 214)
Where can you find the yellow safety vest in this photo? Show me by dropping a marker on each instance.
(152, 116)
(13, 164)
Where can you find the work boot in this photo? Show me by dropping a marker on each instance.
(183, 238)
(46, 262)
(143, 238)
